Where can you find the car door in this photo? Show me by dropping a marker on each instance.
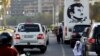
(44, 31)
(97, 39)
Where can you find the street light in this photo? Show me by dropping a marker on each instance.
(0, 7)
(54, 8)
(56, 18)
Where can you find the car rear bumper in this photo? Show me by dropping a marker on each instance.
(29, 46)
(74, 39)
(66, 38)
(94, 48)
(97, 49)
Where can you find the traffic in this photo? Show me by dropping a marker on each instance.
(49, 28)
(27, 36)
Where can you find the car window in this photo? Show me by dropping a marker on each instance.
(29, 28)
(43, 29)
(98, 38)
(86, 32)
(96, 31)
(80, 28)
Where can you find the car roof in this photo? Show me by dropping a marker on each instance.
(82, 24)
(96, 24)
(30, 23)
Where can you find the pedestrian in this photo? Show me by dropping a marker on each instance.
(60, 35)
(57, 35)
(5, 45)
(77, 49)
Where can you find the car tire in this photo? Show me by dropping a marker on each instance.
(20, 50)
(72, 44)
(43, 49)
(98, 53)
(66, 42)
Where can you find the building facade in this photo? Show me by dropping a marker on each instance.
(32, 7)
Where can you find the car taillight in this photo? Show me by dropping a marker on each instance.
(40, 36)
(17, 36)
(91, 40)
(65, 30)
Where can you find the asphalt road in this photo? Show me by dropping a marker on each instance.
(54, 49)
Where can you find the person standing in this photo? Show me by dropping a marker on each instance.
(60, 35)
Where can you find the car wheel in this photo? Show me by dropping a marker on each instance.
(66, 41)
(72, 44)
(20, 50)
(98, 54)
(43, 49)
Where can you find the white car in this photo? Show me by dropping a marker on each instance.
(46, 33)
(94, 38)
(30, 35)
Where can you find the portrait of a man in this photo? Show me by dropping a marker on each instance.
(75, 12)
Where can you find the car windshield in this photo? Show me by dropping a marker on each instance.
(80, 28)
(29, 28)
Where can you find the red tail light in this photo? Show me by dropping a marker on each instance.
(40, 36)
(17, 36)
(91, 40)
(65, 30)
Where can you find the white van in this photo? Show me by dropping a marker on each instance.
(75, 12)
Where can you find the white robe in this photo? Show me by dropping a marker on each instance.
(79, 51)
(22, 55)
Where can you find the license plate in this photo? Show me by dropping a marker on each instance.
(27, 49)
(28, 43)
(28, 36)
(35, 41)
